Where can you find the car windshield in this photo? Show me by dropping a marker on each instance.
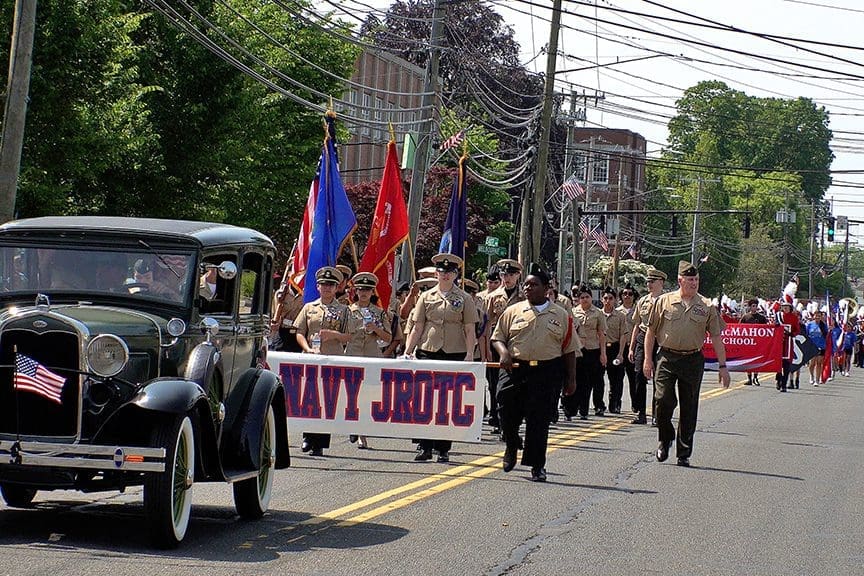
(134, 273)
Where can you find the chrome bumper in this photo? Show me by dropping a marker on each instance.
(83, 456)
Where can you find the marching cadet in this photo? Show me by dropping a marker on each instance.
(536, 344)
(591, 326)
(444, 321)
(616, 337)
(628, 308)
(368, 326)
(678, 322)
(322, 329)
(496, 302)
(342, 295)
(471, 287)
(655, 280)
(286, 306)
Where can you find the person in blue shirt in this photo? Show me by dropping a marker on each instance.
(816, 331)
(849, 339)
(836, 335)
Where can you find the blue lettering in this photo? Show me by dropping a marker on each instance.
(381, 410)
(443, 384)
(403, 386)
(353, 381)
(311, 404)
(464, 381)
(423, 398)
(291, 375)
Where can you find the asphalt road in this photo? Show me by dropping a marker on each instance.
(775, 487)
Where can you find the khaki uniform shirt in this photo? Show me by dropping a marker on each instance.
(444, 319)
(564, 302)
(496, 302)
(629, 321)
(589, 324)
(363, 343)
(316, 316)
(576, 340)
(286, 312)
(533, 335)
(681, 328)
(616, 328)
(643, 307)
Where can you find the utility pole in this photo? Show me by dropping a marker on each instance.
(568, 160)
(532, 220)
(421, 155)
(694, 257)
(15, 113)
(812, 247)
(589, 176)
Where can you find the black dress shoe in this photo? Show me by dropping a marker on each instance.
(600, 412)
(306, 446)
(352, 438)
(663, 451)
(444, 457)
(317, 452)
(653, 421)
(423, 456)
(685, 462)
(583, 417)
(538, 474)
(639, 420)
(509, 461)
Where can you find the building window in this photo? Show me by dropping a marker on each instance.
(364, 114)
(600, 169)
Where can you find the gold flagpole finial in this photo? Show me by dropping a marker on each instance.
(392, 132)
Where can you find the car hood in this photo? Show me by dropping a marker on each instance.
(101, 319)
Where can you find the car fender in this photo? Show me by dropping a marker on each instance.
(202, 364)
(244, 420)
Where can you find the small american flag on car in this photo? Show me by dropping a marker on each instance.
(31, 376)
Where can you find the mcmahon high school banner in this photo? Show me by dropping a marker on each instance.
(382, 397)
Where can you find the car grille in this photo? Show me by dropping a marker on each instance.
(57, 349)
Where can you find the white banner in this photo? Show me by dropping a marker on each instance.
(383, 397)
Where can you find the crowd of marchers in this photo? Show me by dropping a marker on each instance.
(551, 353)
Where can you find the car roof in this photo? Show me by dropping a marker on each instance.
(203, 233)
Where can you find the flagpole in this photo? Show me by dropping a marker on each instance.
(354, 254)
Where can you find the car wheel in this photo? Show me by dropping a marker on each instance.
(168, 494)
(252, 496)
(17, 496)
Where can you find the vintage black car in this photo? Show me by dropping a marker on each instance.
(132, 352)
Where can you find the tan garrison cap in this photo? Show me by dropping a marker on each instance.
(508, 265)
(446, 262)
(328, 275)
(687, 269)
(345, 271)
(655, 274)
(364, 280)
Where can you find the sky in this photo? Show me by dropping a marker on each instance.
(657, 81)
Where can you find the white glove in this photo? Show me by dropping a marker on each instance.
(406, 357)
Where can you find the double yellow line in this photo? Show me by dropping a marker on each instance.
(402, 496)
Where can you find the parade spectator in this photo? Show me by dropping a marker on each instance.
(616, 337)
(678, 322)
(322, 329)
(535, 344)
(753, 316)
(444, 319)
(655, 279)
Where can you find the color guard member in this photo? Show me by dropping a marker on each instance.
(322, 329)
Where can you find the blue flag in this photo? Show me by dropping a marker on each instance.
(455, 234)
(334, 219)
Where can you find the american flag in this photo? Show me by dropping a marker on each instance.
(632, 250)
(33, 377)
(572, 189)
(453, 141)
(583, 227)
(600, 238)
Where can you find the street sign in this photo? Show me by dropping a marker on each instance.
(493, 250)
(492, 242)
(842, 222)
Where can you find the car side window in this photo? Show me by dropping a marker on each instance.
(216, 294)
(251, 285)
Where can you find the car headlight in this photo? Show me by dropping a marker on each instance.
(107, 355)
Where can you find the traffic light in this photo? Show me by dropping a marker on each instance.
(747, 226)
(674, 225)
(831, 221)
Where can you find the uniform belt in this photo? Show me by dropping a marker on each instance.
(534, 363)
(680, 352)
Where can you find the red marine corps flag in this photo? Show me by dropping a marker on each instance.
(389, 228)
